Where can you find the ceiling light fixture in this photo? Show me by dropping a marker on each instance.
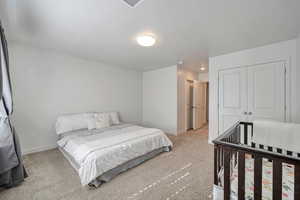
(202, 68)
(146, 40)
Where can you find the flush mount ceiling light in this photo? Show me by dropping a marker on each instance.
(146, 40)
(202, 68)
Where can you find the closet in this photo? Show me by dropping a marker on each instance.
(252, 93)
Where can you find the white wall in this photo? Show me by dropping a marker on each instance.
(203, 77)
(47, 84)
(283, 51)
(298, 78)
(183, 75)
(160, 99)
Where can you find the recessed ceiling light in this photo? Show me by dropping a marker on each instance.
(180, 62)
(146, 40)
(202, 68)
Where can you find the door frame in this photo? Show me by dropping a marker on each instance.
(287, 83)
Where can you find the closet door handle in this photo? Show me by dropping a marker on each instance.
(249, 113)
(245, 113)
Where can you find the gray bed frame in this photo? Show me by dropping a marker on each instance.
(109, 175)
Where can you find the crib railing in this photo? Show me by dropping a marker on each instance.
(234, 144)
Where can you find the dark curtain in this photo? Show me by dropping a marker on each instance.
(12, 171)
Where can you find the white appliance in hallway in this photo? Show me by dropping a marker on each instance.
(250, 93)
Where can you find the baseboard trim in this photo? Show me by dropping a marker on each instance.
(180, 132)
(39, 149)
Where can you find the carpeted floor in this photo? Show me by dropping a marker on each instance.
(186, 173)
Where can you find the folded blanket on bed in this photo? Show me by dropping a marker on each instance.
(277, 134)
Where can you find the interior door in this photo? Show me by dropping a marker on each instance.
(232, 97)
(189, 104)
(266, 92)
(199, 104)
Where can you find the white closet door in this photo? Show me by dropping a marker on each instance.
(232, 97)
(266, 92)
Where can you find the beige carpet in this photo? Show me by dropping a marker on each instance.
(186, 173)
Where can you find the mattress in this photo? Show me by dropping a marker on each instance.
(93, 153)
(107, 176)
(287, 181)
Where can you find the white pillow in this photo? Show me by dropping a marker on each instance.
(91, 122)
(102, 120)
(72, 122)
(114, 117)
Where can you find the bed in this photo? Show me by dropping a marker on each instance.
(246, 169)
(99, 155)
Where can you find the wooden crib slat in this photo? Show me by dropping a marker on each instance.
(297, 182)
(227, 174)
(245, 134)
(257, 177)
(241, 175)
(216, 168)
(277, 179)
(221, 156)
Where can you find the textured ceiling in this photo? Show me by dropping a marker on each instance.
(190, 30)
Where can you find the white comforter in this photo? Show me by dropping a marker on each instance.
(99, 151)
